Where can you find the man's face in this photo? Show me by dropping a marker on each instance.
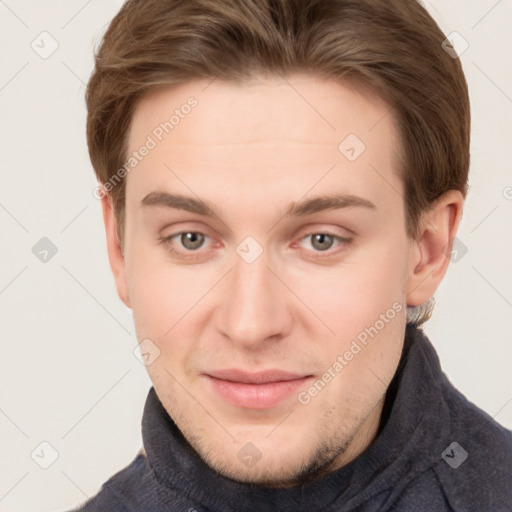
(252, 289)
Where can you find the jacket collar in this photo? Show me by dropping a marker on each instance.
(413, 433)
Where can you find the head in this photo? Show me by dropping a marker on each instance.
(232, 140)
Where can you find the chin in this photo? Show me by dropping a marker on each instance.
(284, 468)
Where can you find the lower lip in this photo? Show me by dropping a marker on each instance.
(256, 396)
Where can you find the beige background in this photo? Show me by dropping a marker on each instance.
(69, 376)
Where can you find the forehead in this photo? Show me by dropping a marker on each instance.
(267, 136)
(263, 108)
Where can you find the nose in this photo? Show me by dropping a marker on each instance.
(254, 308)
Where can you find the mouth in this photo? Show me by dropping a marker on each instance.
(260, 390)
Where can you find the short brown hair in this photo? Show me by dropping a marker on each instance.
(392, 47)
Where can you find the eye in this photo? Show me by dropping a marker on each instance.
(322, 242)
(191, 241)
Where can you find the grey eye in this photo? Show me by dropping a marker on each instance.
(192, 240)
(322, 241)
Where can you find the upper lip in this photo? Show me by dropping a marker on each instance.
(261, 377)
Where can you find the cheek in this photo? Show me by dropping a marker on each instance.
(159, 304)
(156, 293)
(347, 297)
(166, 302)
(355, 293)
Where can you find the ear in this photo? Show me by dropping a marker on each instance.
(430, 253)
(115, 252)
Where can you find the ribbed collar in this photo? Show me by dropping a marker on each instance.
(413, 436)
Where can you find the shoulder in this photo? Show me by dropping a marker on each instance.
(472, 471)
(135, 488)
(475, 468)
(126, 490)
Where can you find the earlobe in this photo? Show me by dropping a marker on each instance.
(430, 253)
(115, 253)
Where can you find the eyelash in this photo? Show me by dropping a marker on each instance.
(319, 254)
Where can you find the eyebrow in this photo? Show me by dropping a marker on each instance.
(295, 209)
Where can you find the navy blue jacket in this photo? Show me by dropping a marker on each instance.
(435, 452)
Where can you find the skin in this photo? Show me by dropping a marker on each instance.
(251, 150)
